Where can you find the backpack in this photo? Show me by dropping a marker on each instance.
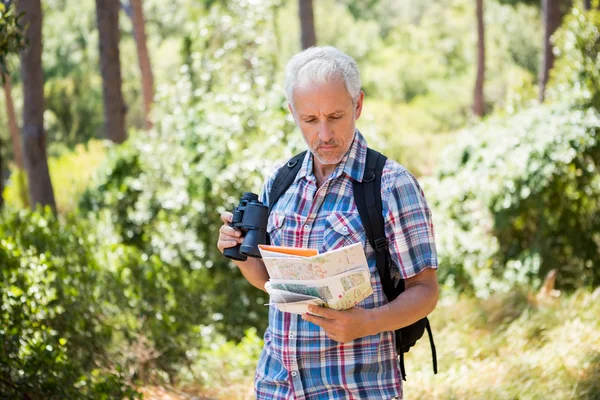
(367, 196)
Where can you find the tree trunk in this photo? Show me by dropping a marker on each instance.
(139, 28)
(307, 24)
(1, 178)
(587, 5)
(107, 14)
(34, 137)
(15, 138)
(552, 17)
(12, 122)
(478, 98)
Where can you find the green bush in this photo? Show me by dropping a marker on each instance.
(577, 69)
(53, 340)
(517, 197)
(11, 31)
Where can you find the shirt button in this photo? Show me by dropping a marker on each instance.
(291, 336)
(345, 229)
(306, 227)
(294, 373)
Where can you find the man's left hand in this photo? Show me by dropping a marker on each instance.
(341, 326)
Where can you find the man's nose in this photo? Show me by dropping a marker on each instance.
(325, 131)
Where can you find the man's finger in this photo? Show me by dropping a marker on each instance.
(226, 217)
(229, 234)
(228, 230)
(322, 322)
(225, 244)
(323, 311)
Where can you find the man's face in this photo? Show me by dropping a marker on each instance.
(326, 116)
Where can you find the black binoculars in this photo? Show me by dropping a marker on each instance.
(250, 217)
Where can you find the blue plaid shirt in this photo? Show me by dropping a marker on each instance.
(298, 360)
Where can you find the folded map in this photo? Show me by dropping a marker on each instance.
(337, 279)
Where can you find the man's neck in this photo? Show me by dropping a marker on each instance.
(322, 171)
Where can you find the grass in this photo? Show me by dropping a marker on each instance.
(511, 346)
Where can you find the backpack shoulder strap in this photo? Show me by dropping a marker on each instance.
(284, 178)
(367, 196)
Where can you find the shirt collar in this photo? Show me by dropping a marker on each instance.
(353, 163)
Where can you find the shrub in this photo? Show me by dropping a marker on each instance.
(518, 197)
(51, 331)
(577, 70)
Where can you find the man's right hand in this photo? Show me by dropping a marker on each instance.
(253, 269)
(228, 237)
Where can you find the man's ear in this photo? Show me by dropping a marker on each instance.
(359, 105)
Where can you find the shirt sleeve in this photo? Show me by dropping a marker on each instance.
(408, 226)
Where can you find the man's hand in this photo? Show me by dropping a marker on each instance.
(253, 269)
(341, 326)
(228, 237)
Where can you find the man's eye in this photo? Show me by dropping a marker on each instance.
(336, 117)
(309, 121)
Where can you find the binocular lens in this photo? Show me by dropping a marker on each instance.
(250, 245)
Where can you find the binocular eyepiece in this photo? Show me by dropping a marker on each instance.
(250, 217)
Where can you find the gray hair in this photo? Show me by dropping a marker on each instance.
(322, 65)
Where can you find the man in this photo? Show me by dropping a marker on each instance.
(347, 354)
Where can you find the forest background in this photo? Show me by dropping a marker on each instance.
(127, 127)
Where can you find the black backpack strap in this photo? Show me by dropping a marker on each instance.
(284, 178)
(367, 196)
(433, 352)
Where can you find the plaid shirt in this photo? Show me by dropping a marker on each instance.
(298, 360)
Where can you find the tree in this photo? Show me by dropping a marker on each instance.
(107, 15)
(15, 138)
(1, 178)
(478, 97)
(552, 16)
(34, 136)
(12, 122)
(139, 28)
(307, 23)
(11, 32)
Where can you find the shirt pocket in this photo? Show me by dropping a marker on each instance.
(343, 229)
(274, 227)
